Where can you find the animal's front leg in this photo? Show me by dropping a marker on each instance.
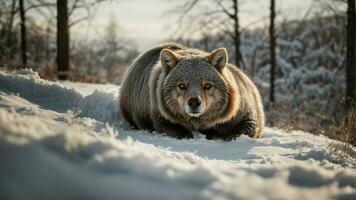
(174, 130)
(245, 127)
(212, 134)
(230, 132)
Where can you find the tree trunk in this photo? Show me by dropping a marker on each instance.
(272, 51)
(7, 31)
(350, 54)
(62, 40)
(23, 34)
(236, 34)
(10, 23)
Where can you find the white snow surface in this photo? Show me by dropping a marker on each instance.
(68, 141)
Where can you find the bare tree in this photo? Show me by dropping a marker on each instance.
(234, 16)
(22, 11)
(6, 35)
(272, 51)
(350, 55)
(11, 19)
(63, 25)
(28, 44)
(23, 34)
(236, 36)
(228, 20)
(62, 39)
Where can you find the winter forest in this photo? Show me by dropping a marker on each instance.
(62, 63)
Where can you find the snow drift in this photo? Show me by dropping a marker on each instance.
(58, 142)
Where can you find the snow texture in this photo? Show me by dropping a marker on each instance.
(63, 142)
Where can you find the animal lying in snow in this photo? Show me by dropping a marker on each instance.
(176, 90)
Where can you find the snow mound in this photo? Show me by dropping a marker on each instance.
(101, 106)
(46, 154)
(26, 83)
(49, 95)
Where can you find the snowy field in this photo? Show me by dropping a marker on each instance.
(67, 141)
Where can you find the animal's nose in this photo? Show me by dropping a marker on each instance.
(194, 102)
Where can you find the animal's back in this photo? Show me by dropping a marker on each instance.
(134, 92)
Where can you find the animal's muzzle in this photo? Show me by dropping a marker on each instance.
(194, 103)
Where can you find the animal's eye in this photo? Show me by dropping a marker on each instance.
(207, 86)
(181, 86)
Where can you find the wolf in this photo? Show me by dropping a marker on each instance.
(176, 90)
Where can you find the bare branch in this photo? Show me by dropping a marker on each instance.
(74, 6)
(87, 7)
(219, 3)
(86, 17)
(39, 6)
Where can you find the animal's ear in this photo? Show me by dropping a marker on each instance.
(218, 58)
(169, 59)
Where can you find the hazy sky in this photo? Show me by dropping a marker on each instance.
(144, 21)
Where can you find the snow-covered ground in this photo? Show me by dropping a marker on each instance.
(68, 141)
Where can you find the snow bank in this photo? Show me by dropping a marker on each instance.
(54, 96)
(101, 106)
(50, 95)
(46, 154)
